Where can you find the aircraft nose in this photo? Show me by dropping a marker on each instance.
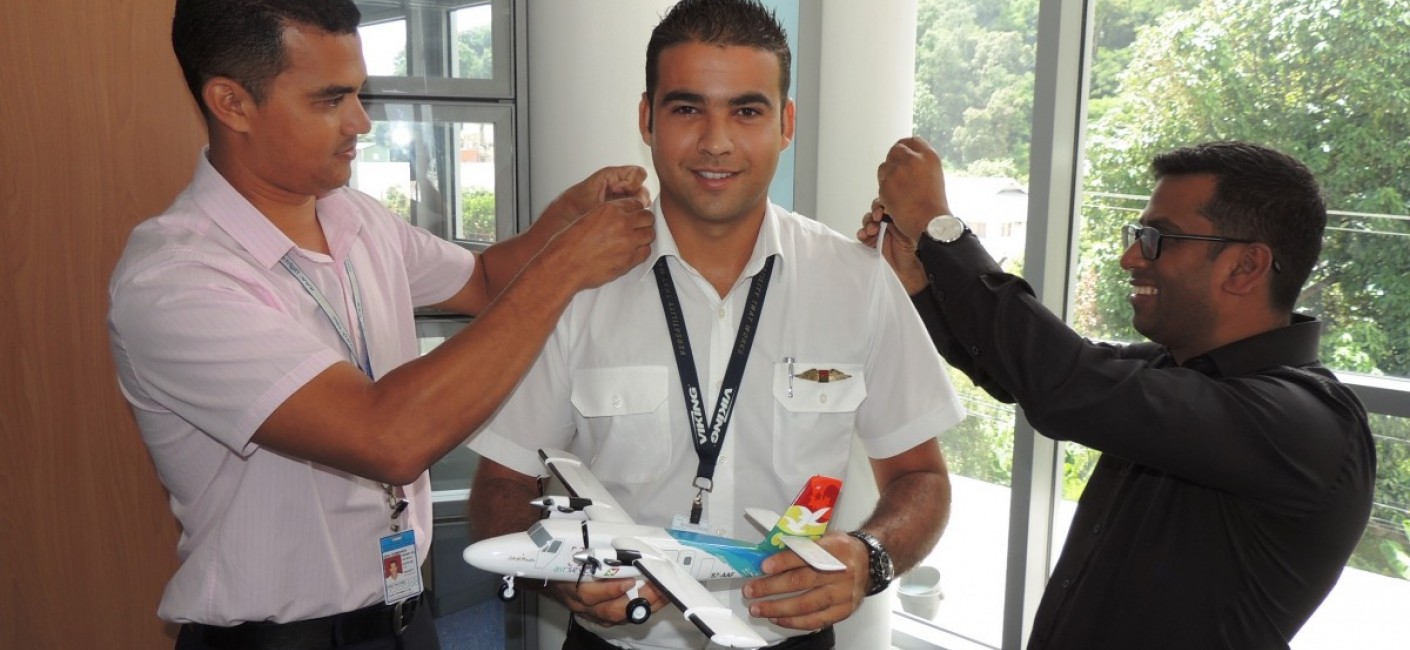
(506, 554)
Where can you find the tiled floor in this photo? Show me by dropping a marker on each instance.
(475, 628)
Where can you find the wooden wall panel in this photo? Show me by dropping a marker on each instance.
(97, 132)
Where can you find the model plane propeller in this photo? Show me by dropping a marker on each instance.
(609, 544)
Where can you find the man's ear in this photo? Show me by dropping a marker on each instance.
(228, 103)
(643, 118)
(1252, 270)
(789, 114)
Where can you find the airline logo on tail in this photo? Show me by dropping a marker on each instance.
(810, 512)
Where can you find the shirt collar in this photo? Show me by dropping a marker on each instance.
(664, 245)
(239, 218)
(1294, 345)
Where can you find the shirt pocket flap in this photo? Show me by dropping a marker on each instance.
(819, 387)
(627, 390)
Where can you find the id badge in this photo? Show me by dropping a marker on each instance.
(401, 573)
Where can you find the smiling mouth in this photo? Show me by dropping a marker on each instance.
(1141, 290)
(715, 176)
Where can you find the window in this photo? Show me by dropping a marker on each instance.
(442, 97)
(1074, 127)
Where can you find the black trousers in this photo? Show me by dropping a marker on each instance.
(420, 634)
(579, 638)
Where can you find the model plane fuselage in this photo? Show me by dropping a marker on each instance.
(552, 549)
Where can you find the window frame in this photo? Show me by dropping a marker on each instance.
(504, 98)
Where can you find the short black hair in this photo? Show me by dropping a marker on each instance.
(719, 22)
(1262, 195)
(244, 39)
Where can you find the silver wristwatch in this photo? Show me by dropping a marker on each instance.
(881, 570)
(945, 228)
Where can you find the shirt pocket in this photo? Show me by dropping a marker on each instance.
(623, 411)
(815, 417)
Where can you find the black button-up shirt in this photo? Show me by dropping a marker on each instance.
(1231, 489)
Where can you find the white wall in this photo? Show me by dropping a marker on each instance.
(587, 70)
(864, 104)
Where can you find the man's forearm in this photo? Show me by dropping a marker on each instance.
(499, 502)
(910, 515)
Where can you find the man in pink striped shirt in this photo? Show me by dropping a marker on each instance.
(262, 329)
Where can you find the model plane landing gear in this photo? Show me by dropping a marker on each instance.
(506, 589)
(638, 610)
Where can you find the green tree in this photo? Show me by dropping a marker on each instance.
(477, 214)
(475, 53)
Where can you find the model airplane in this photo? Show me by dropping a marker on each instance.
(608, 544)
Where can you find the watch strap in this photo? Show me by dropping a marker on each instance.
(880, 568)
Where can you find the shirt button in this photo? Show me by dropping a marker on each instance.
(974, 350)
(1067, 583)
(822, 398)
(722, 313)
(1097, 529)
(617, 401)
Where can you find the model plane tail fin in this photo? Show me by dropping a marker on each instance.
(809, 514)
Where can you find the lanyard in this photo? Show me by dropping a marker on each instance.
(395, 501)
(363, 360)
(709, 437)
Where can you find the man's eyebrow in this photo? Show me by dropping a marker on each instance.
(748, 99)
(683, 96)
(334, 91)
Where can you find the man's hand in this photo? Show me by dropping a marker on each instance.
(605, 243)
(819, 599)
(911, 184)
(899, 250)
(603, 602)
(606, 184)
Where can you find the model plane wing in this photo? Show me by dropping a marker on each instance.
(581, 483)
(813, 554)
(696, 602)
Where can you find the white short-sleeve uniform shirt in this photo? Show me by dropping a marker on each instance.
(606, 388)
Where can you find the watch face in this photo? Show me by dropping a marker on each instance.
(945, 228)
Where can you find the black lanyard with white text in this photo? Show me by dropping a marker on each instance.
(396, 502)
(709, 437)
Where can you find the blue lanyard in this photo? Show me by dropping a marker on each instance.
(363, 360)
(709, 437)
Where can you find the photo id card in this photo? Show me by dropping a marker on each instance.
(401, 573)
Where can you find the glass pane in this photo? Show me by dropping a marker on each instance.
(971, 556)
(461, 49)
(974, 103)
(474, 43)
(475, 169)
(384, 48)
(435, 166)
(1374, 590)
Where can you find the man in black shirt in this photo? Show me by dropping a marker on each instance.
(1237, 472)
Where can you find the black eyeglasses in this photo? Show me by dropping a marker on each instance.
(1150, 241)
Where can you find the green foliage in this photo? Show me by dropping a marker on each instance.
(974, 82)
(397, 201)
(474, 53)
(477, 213)
(981, 446)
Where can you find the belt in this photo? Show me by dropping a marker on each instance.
(579, 638)
(366, 624)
